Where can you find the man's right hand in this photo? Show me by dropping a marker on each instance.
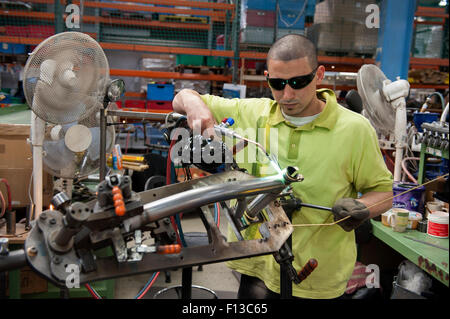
(199, 117)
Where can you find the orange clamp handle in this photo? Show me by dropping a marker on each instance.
(307, 269)
(169, 249)
(119, 204)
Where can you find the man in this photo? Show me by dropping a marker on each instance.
(336, 151)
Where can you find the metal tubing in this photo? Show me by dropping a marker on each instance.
(102, 144)
(11, 222)
(14, 260)
(316, 206)
(189, 200)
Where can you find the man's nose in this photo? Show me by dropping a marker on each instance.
(288, 93)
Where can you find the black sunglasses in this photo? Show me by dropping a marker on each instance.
(297, 82)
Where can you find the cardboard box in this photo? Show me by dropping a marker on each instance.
(30, 282)
(16, 165)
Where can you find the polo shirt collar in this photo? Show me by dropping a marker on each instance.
(326, 119)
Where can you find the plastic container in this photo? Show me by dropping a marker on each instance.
(160, 92)
(260, 18)
(412, 200)
(259, 4)
(419, 118)
(159, 105)
(134, 104)
(438, 224)
(187, 59)
(433, 207)
(257, 35)
(413, 220)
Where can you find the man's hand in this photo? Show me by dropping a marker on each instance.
(350, 207)
(198, 115)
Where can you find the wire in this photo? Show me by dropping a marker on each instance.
(4, 181)
(376, 204)
(3, 205)
(147, 286)
(92, 291)
(217, 214)
(406, 170)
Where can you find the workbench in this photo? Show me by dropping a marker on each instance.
(433, 260)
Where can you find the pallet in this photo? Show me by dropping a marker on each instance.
(201, 69)
(182, 19)
(254, 47)
(354, 54)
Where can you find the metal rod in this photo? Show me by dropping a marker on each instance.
(102, 144)
(144, 115)
(316, 206)
(191, 199)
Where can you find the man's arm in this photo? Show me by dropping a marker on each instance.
(189, 103)
(379, 202)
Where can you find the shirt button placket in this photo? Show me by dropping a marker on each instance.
(294, 141)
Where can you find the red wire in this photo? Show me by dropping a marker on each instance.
(91, 291)
(149, 286)
(218, 214)
(9, 192)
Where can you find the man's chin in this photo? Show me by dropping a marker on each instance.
(291, 111)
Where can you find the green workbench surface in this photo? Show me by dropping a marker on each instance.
(104, 288)
(433, 260)
(15, 114)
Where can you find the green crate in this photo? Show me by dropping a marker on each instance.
(215, 61)
(187, 59)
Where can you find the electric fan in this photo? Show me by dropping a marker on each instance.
(65, 82)
(384, 105)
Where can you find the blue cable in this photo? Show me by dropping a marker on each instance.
(146, 285)
(180, 230)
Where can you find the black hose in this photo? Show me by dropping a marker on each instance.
(14, 260)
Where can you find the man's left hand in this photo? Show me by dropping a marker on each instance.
(350, 207)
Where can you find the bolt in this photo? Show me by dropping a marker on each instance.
(56, 260)
(32, 251)
(52, 221)
(43, 216)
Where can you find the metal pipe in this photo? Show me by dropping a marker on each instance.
(102, 144)
(14, 260)
(191, 199)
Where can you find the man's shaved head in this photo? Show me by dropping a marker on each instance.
(292, 47)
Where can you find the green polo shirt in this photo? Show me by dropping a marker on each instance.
(338, 155)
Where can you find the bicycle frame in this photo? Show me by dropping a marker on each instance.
(150, 210)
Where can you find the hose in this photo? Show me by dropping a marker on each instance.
(406, 170)
(4, 181)
(444, 114)
(3, 205)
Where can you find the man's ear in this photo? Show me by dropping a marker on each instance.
(266, 72)
(320, 73)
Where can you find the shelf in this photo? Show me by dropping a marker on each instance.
(127, 6)
(170, 75)
(132, 47)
